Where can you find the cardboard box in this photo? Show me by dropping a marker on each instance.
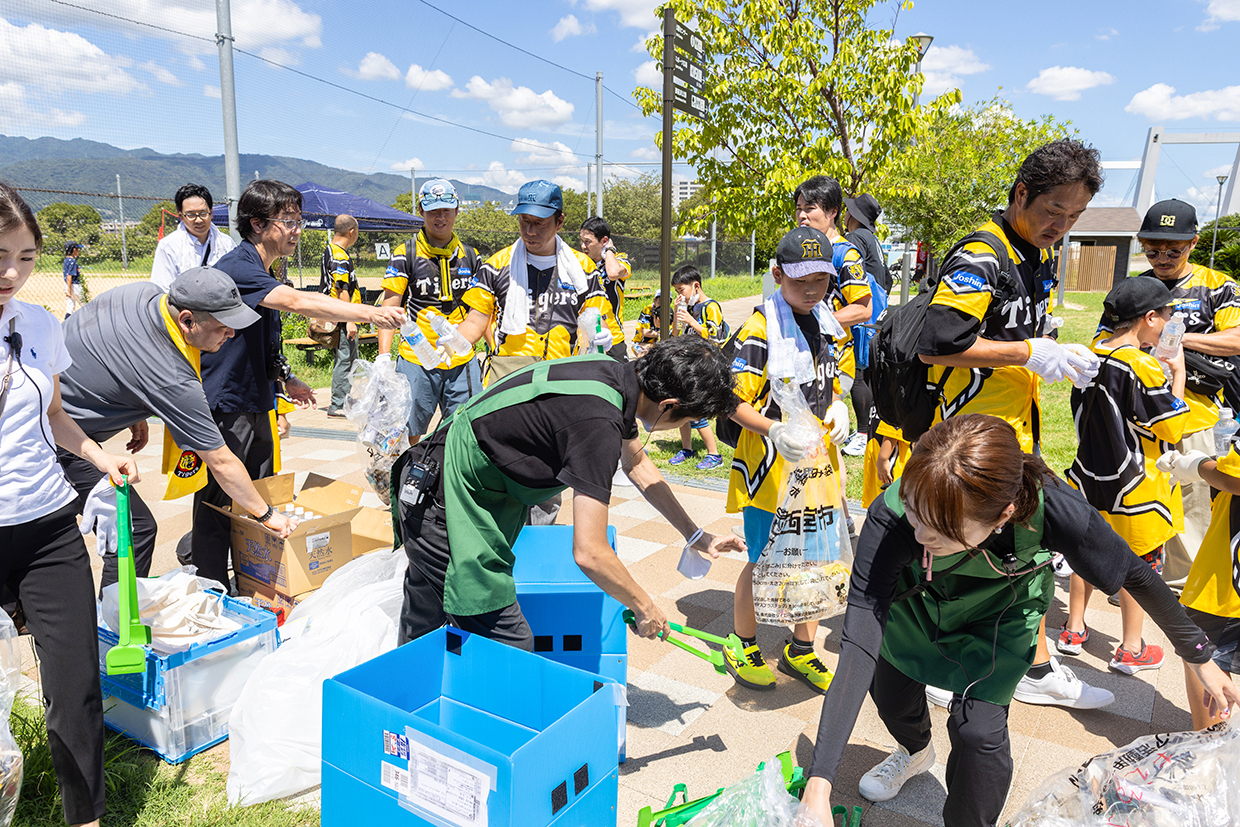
(372, 531)
(302, 561)
(266, 597)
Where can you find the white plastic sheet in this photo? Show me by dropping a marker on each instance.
(379, 403)
(10, 754)
(181, 608)
(275, 732)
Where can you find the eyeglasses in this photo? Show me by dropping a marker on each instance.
(195, 216)
(1171, 254)
(290, 223)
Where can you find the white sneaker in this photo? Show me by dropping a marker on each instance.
(855, 446)
(939, 697)
(884, 781)
(1061, 566)
(1061, 687)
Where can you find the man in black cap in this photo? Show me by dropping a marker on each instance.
(136, 353)
(863, 212)
(1208, 299)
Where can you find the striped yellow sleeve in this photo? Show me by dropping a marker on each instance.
(967, 285)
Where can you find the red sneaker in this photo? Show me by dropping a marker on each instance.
(1070, 642)
(1150, 657)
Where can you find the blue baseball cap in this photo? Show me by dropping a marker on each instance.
(438, 194)
(541, 199)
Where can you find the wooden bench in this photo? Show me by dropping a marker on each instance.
(309, 346)
(639, 292)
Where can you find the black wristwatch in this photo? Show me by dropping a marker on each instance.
(271, 509)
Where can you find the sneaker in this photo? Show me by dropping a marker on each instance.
(884, 781)
(1060, 565)
(1070, 642)
(939, 697)
(753, 672)
(1113, 599)
(710, 462)
(807, 668)
(680, 456)
(1061, 687)
(855, 446)
(335, 413)
(1150, 657)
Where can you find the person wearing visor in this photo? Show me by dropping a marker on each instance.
(951, 578)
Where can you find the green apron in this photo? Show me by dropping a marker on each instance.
(485, 509)
(960, 608)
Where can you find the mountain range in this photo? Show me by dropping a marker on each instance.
(84, 166)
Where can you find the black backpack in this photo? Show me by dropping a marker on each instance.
(727, 430)
(903, 394)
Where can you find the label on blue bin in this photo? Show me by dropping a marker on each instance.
(394, 744)
(437, 784)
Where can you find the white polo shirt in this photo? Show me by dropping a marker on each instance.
(32, 484)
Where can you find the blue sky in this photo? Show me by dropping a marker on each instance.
(1112, 68)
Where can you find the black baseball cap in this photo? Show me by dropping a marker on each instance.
(1170, 220)
(865, 209)
(208, 290)
(803, 251)
(70, 246)
(1133, 297)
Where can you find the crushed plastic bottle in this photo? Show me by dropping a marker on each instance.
(450, 336)
(427, 355)
(589, 324)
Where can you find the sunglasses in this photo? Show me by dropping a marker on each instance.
(438, 202)
(1171, 254)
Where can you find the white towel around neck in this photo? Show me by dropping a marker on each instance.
(788, 354)
(516, 316)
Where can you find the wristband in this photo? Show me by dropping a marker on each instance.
(267, 514)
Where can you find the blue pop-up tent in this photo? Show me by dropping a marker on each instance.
(321, 205)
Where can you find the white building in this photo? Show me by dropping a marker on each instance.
(682, 191)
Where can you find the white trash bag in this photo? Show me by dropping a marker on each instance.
(379, 403)
(759, 800)
(803, 572)
(276, 728)
(10, 754)
(1182, 779)
(181, 608)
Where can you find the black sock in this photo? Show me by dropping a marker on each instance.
(801, 647)
(746, 642)
(1040, 671)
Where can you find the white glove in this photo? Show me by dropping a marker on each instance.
(1086, 374)
(1053, 361)
(789, 446)
(99, 516)
(601, 338)
(836, 420)
(1182, 467)
(383, 358)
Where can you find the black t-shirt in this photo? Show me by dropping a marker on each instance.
(872, 252)
(562, 439)
(240, 376)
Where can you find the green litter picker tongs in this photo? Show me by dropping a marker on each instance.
(715, 656)
(129, 655)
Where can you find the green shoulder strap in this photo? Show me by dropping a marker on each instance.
(507, 392)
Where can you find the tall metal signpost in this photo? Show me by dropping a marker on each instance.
(684, 79)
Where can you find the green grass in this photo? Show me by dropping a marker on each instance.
(142, 790)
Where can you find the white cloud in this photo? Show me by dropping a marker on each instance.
(1220, 11)
(374, 66)
(568, 182)
(639, 14)
(570, 26)
(649, 74)
(1066, 83)
(405, 166)
(1106, 34)
(33, 55)
(943, 67)
(427, 81)
(499, 177)
(210, 91)
(161, 74)
(16, 115)
(519, 107)
(1221, 169)
(646, 153)
(1161, 102)
(278, 54)
(537, 153)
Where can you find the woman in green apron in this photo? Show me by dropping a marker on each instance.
(465, 492)
(948, 588)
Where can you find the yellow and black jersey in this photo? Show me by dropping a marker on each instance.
(647, 331)
(432, 281)
(336, 273)
(554, 306)
(709, 314)
(877, 432)
(1126, 418)
(757, 468)
(1213, 584)
(960, 312)
(614, 291)
(1209, 301)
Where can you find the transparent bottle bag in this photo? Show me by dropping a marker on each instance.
(803, 572)
(379, 403)
(10, 753)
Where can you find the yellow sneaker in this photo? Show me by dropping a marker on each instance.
(807, 668)
(753, 672)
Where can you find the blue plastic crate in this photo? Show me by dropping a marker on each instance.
(471, 724)
(180, 704)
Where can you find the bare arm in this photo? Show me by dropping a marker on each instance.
(287, 299)
(611, 263)
(983, 353)
(596, 559)
(474, 326)
(390, 299)
(854, 313)
(1219, 343)
(70, 436)
(1208, 469)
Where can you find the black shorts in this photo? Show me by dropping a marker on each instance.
(1224, 633)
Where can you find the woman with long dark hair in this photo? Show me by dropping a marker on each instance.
(950, 581)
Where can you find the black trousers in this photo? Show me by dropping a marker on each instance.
(862, 400)
(45, 564)
(83, 476)
(979, 769)
(424, 528)
(248, 435)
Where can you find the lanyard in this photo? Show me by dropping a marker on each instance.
(8, 368)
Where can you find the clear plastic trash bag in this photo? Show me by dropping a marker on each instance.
(379, 404)
(758, 800)
(803, 572)
(10, 754)
(1181, 779)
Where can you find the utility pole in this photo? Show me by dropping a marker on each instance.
(228, 101)
(413, 192)
(598, 143)
(1222, 179)
(589, 190)
(120, 203)
(665, 239)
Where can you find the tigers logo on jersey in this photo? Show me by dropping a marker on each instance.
(188, 465)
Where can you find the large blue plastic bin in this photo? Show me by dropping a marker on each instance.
(180, 704)
(488, 733)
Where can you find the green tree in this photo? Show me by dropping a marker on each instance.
(634, 206)
(404, 203)
(574, 210)
(795, 89)
(71, 222)
(149, 225)
(960, 170)
(488, 216)
(1227, 252)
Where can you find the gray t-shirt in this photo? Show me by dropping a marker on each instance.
(126, 367)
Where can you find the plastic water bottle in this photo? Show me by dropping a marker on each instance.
(1224, 429)
(589, 324)
(450, 336)
(1169, 341)
(413, 334)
